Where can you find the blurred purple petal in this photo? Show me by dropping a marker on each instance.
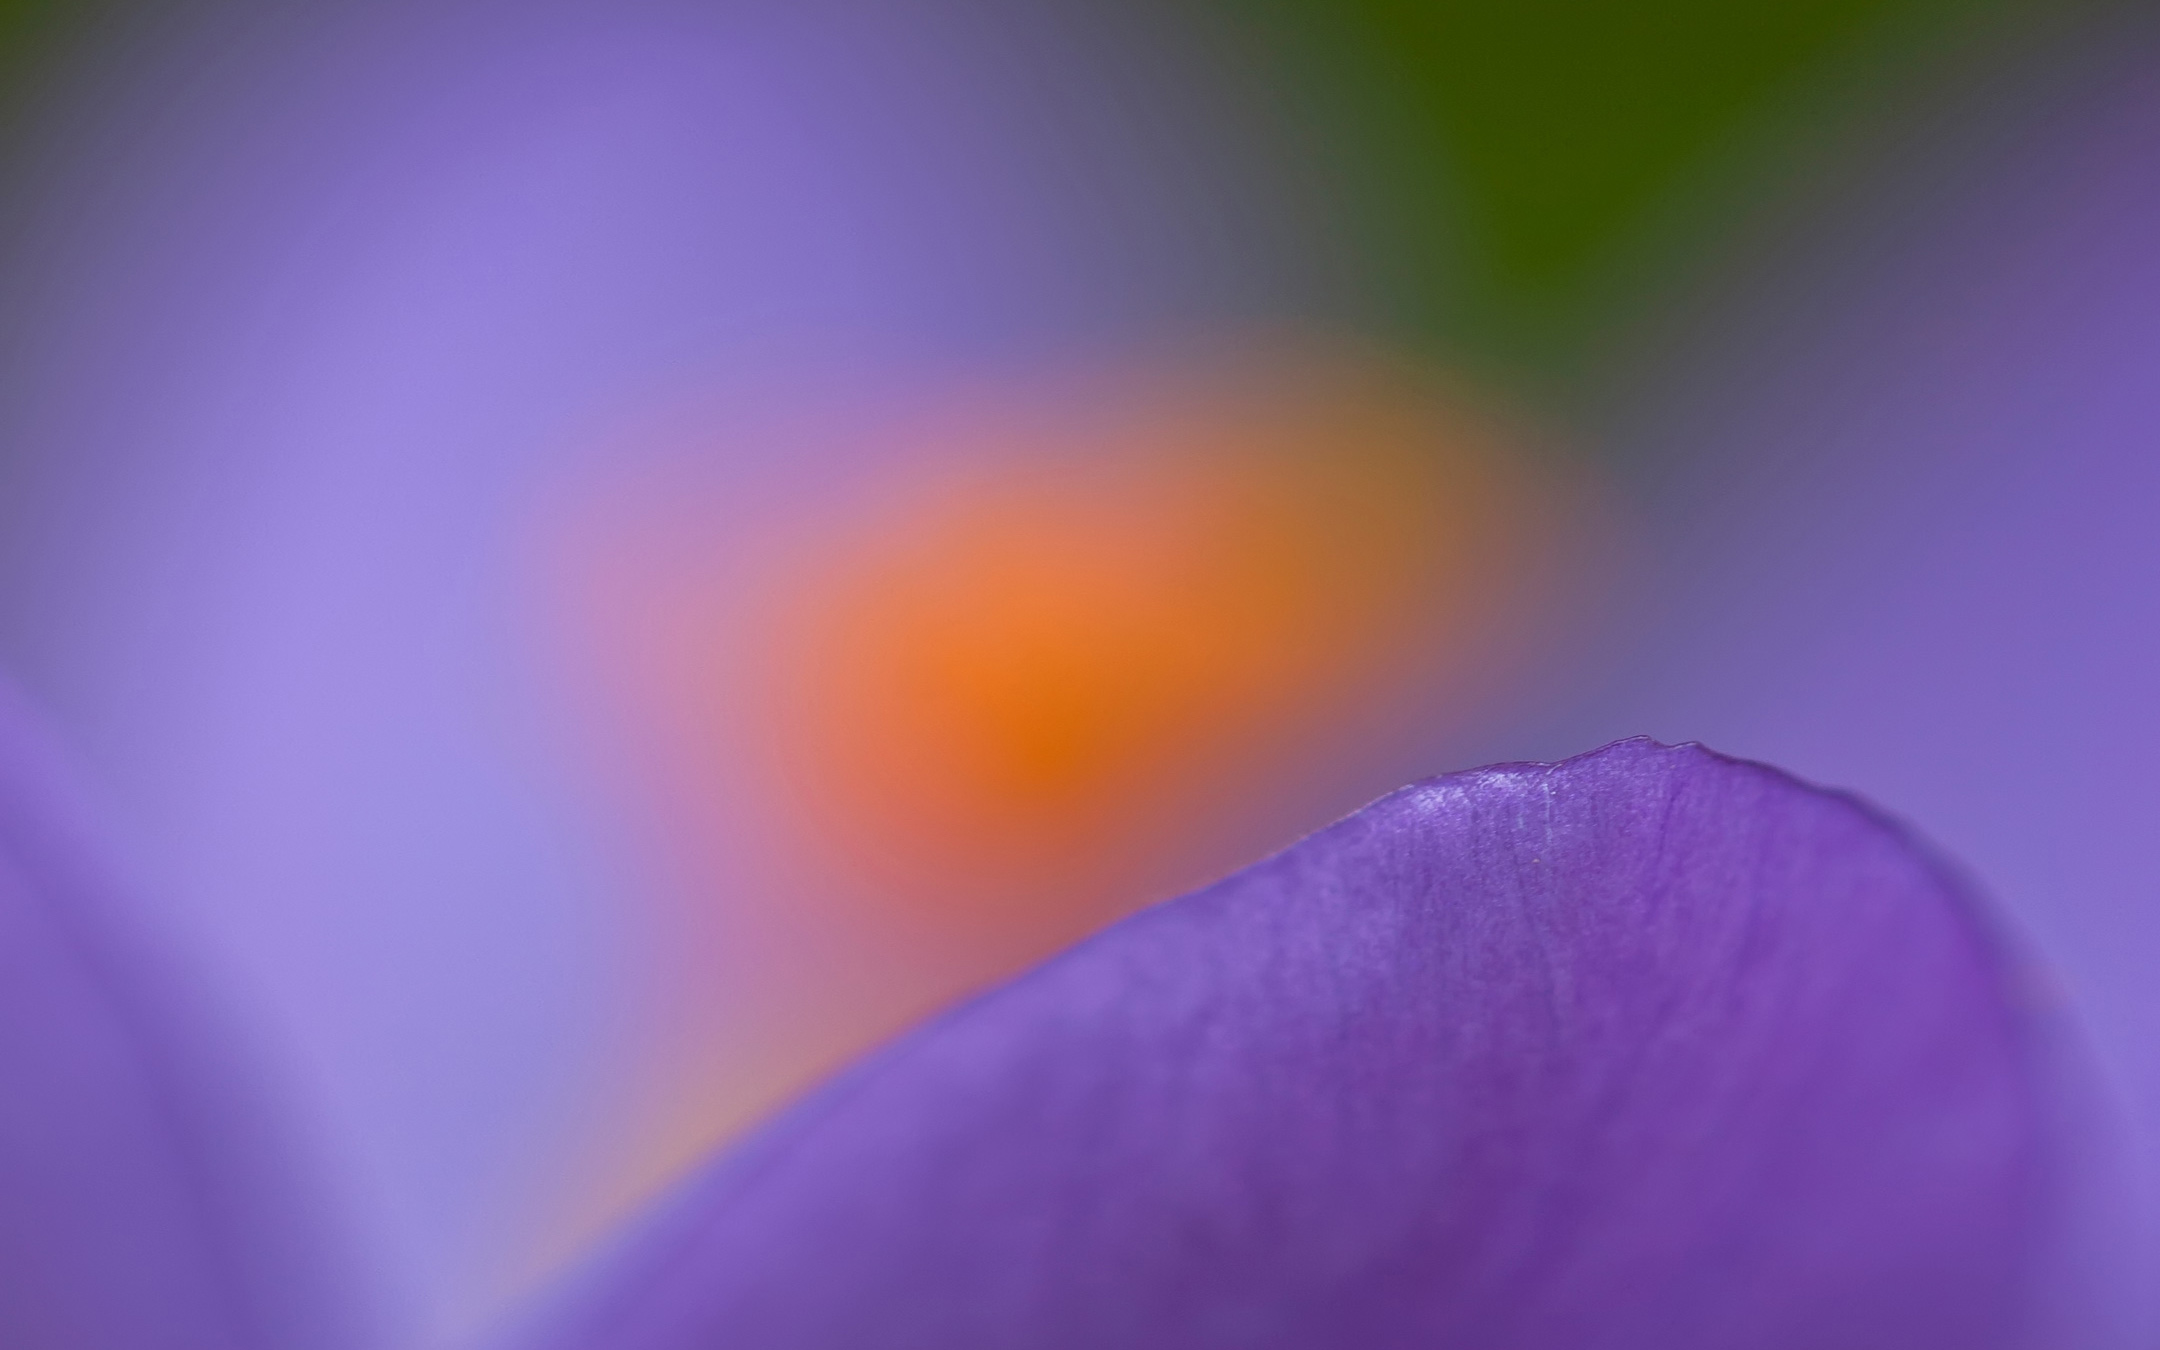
(1648, 1048)
(144, 1202)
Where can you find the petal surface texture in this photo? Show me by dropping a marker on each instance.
(1649, 1048)
(145, 1202)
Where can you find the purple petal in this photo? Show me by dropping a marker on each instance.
(1649, 1048)
(143, 1200)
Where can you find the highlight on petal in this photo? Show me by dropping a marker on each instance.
(145, 1202)
(1646, 1048)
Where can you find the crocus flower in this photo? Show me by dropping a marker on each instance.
(1650, 1047)
(343, 379)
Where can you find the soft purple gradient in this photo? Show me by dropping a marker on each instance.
(1914, 527)
(147, 1197)
(312, 300)
(1650, 1048)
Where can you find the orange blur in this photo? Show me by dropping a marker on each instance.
(1047, 655)
(1042, 691)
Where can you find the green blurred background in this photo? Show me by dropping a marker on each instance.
(1513, 181)
(1519, 180)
